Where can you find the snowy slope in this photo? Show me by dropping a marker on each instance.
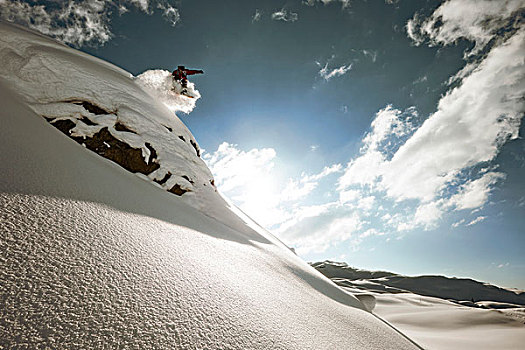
(441, 325)
(460, 290)
(450, 319)
(94, 256)
(88, 98)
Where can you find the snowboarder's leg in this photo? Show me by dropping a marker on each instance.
(184, 83)
(175, 85)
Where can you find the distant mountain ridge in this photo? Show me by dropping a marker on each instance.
(460, 290)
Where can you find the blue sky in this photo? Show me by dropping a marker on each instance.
(384, 134)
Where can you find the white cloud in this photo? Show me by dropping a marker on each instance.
(344, 3)
(248, 179)
(475, 20)
(363, 170)
(171, 14)
(458, 223)
(371, 54)
(319, 233)
(366, 203)
(429, 164)
(295, 190)
(142, 4)
(251, 180)
(74, 23)
(328, 74)
(77, 22)
(500, 266)
(257, 16)
(476, 220)
(371, 232)
(349, 196)
(234, 168)
(285, 16)
(398, 221)
(356, 241)
(419, 80)
(327, 170)
(470, 125)
(462, 73)
(300, 214)
(388, 125)
(475, 194)
(427, 215)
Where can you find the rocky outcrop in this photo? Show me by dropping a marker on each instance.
(105, 144)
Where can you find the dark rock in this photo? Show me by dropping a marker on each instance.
(106, 145)
(178, 190)
(187, 178)
(153, 153)
(120, 152)
(87, 121)
(64, 125)
(121, 127)
(194, 144)
(90, 107)
(164, 179)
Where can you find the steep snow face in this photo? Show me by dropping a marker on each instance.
(123, 118)
(93, 256)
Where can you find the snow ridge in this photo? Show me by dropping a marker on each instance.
(110, 112)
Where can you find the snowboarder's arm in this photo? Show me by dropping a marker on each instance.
(192, 71)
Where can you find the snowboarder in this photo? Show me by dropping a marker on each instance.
(181, 75)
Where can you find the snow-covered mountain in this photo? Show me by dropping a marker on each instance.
(460, 290)
(439, 312)
(113, 234)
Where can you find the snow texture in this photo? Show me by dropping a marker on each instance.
(92, 256)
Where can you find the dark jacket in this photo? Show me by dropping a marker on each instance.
(181, 74)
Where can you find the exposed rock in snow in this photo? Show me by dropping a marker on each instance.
(108, 146)
(127, 120)
(92, 256)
